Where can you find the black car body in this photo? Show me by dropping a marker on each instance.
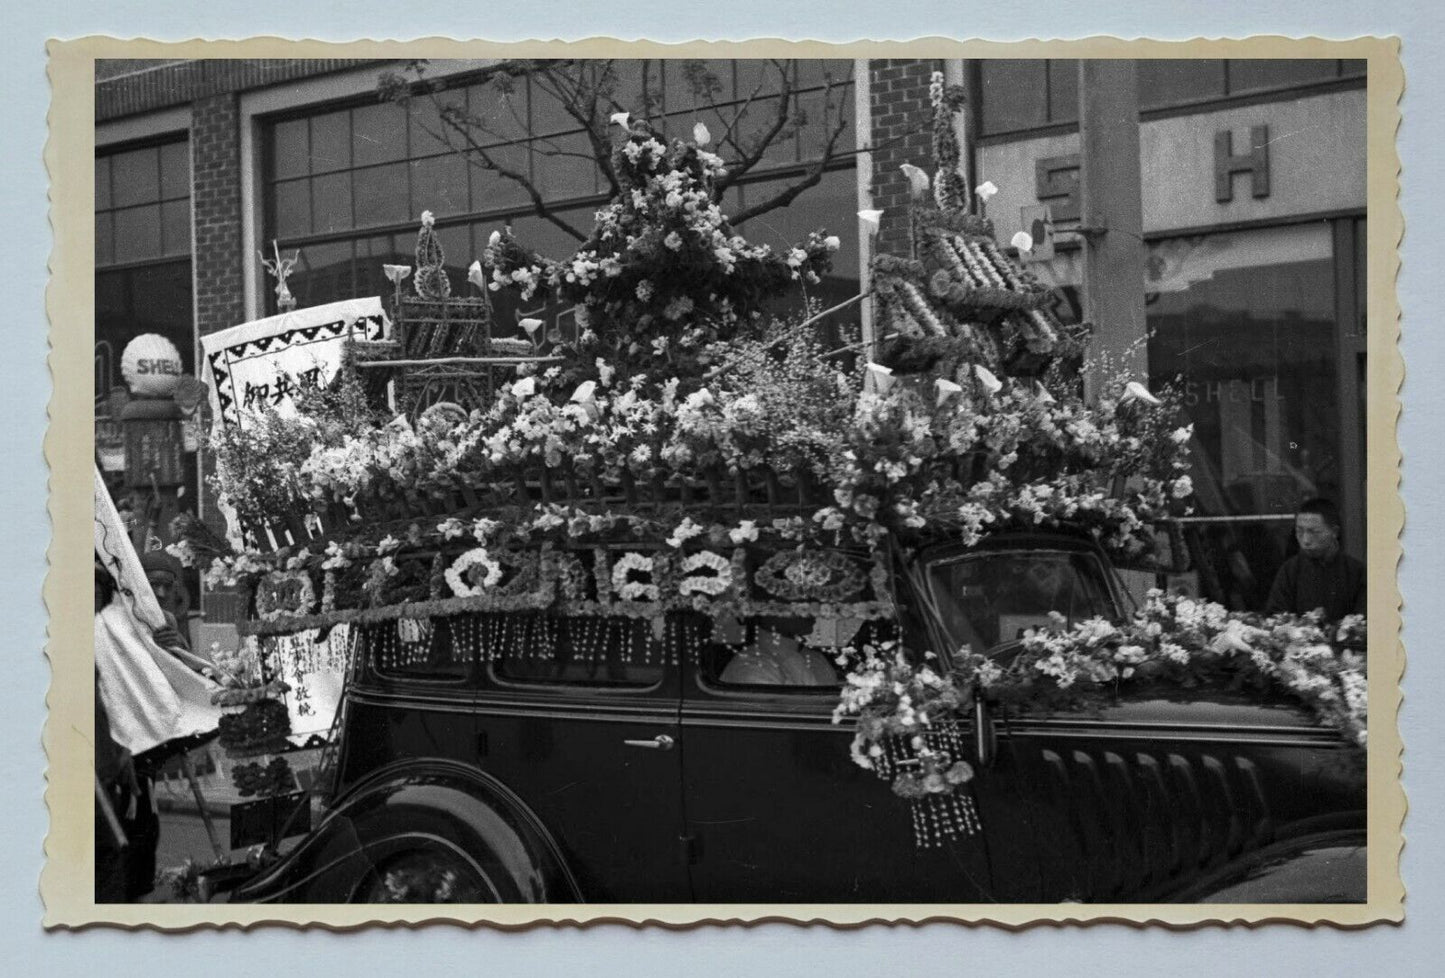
(533, 780)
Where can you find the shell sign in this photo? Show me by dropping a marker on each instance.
(151, 365)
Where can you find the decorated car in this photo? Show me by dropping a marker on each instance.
(676, 604)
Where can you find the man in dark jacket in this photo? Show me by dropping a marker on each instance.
(1321, 576)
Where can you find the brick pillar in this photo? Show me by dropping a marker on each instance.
(902, 125)
(216, 264)
(216, 203)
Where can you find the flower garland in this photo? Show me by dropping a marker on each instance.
(628, 588)
(457, 573)
(708, 584)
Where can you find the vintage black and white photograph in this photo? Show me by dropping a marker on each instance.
(766, 481)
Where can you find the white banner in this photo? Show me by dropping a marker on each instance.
(261, 364)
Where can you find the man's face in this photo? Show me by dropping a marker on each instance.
(164, 585)
(1316, 537)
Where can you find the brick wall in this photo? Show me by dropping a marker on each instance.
(901, 132)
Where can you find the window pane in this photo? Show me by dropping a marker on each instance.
(104, 239)
(1249, 74)
(102, 182)
(289, 151)
(176, 227)
(136, 177)
(491, 191)
(331, 203)
(774, 654)
(323, 274)
(1064, 90)
(378, 134)
(381, 196)
(813, 72)
(1013, 95)
(175, 170)
(371, 254)
(331, 142)
(293, 209)
(137, 233)
(823, 114)
(1246, 323)
(548, 115)
(427, 130)
(1170, 81)
(755, 122)
(439, 184)
(564, 167)
(499, 108)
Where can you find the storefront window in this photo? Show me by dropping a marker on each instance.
(346, 187)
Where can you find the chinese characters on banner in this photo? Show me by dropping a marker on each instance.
(260, 365)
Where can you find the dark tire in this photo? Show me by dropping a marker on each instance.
(429, 875)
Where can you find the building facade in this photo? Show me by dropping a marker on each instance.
(1253, 184)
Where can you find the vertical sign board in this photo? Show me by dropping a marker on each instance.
(259, 366)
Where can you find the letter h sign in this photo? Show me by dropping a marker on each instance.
(1255, 163)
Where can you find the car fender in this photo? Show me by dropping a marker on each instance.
(440, 806)
(1326, 867)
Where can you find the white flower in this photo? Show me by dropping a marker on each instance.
(525, 387)
(1181, 436)
(494, 239)
(1041, 393)
(990, 383)
(946, 389)
(427, 220)
(985, 190)
(620, 118)
(388, 544)
(832, 243)
(396, 273)
(1023, 241)
(530, 325)
(747, 530)
(1135, 391)
(700, 135)
(917, 180)
(870, 219)
(605, 371)
(880, 376)
(584, 392)
(475, 275)
(673, 241)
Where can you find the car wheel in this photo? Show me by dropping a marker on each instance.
(427, 876)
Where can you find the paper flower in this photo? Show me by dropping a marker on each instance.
(990, 383)
(525, 387)
(427, 220)
(476, 276)
(620, 118)
(1042, 394)
(494, 239)
(530, 325)
(917, 180)
(1023, 241)
(700, 399)
(396, 273)
(1135, 391)
(985, 190)
(584, 392)
(946, 389)
(832, 243)
(700, 135)
(870, 219)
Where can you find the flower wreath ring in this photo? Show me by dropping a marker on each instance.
(710, 584)
(478, 557)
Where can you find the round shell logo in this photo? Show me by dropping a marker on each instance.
(151, 365)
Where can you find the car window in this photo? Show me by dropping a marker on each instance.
(988, 598)
(780, 653)
(426, 650)
(577, 651)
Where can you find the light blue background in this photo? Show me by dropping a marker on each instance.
(1413, 949)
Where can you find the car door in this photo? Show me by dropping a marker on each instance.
(586, 733)
(776, 811)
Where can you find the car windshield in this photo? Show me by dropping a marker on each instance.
(989, 598)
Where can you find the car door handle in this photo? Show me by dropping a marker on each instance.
(660, 742)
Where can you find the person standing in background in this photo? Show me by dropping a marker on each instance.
(1321, 577)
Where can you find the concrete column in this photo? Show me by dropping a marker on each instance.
(1112, 217)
